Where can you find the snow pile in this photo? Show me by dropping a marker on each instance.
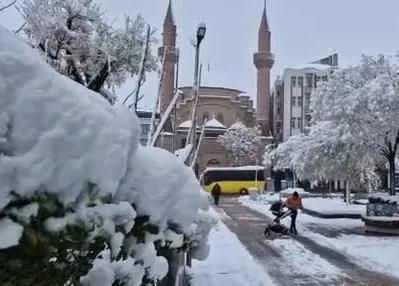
(383, 198)
(162, 187)
(73, 160)
(229, 263)
(197, 236)
(267, 198)
(184, 153)
(290, 191)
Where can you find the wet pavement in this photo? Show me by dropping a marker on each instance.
(317, 260)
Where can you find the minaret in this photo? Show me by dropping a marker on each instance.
(263, 61)
(168, 50)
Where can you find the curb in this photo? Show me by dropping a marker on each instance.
(331, 216)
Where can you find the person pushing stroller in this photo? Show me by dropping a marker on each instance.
(293, 203)
(282, 210)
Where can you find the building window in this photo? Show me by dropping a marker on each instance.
(278, 110)
(299, 122)
(300, 80)
(293, 122)
(278, 94)
(145, 128)
(307, 97)
(324, 78)
(309, 79)
(278, 130)
(293, 80)
(293, 100)
(299, 101)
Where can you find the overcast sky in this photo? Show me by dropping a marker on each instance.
(302, 31)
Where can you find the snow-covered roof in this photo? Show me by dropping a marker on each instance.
(243, 168)
(311, 66)
(214, 123)
(237, 125)
(186, 124)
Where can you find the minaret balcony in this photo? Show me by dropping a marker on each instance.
(264, 60)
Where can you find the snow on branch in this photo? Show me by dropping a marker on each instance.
(78, 42)
(6, 6)
(242, 144)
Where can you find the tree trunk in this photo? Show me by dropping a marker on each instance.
(347, 193)
(392, 191)
(100, 78)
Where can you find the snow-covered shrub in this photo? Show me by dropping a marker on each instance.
(197, 236)
(79, 201)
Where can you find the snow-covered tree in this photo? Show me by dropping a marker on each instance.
(242, 143)
(363, 101)
(76, 39)
(327, 152)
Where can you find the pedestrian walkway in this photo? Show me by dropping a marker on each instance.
(249, 226)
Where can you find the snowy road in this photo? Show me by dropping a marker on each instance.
(298, 261)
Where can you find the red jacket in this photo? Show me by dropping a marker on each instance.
(293, 202)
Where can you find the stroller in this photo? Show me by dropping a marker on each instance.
(275, 229)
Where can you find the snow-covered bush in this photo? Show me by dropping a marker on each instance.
(197, 235)
(76, 39)
(79, 200)
(242, 143)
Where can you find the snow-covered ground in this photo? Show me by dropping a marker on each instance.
(229, 263)
(321, 205)
(332, 206)
(303, 262)
(371, 252)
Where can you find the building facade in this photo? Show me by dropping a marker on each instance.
(291, 96)
(222, 107)
(145, 121)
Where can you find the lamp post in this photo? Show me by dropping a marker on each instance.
(201, 30)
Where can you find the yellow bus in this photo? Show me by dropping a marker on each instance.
(234, 179)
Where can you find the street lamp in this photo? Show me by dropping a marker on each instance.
(201, 30)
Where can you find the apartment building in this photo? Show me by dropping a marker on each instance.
(291, 96)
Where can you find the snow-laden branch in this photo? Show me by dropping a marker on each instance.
(242, 143)
(8, 5)
(157, 101)
(164, 119)
(199, 144)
